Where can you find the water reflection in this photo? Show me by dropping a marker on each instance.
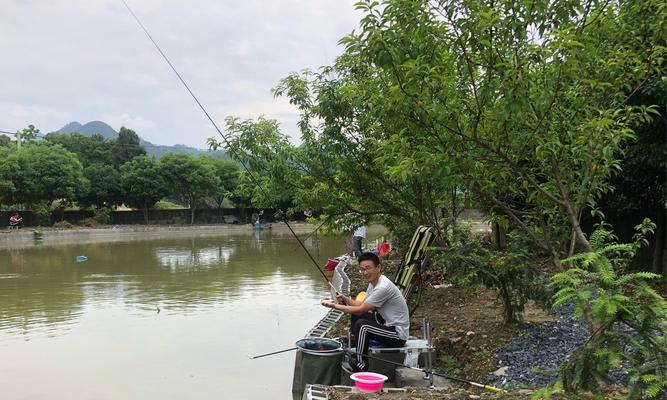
(185, 259)
(16, 256)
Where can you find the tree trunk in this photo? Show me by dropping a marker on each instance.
(573, 216)
(659, 266)
(145, 213)
(499, 236)
(192, 216)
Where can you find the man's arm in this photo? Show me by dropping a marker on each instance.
(357, 309)
(348, 301)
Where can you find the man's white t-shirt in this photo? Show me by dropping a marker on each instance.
(389, 302)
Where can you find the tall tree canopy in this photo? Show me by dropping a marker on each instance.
(189, 178)
(523, 104)
(227, 172)
(47, 173)
(89, 149)
(269, 172)
(126, 146)
(105, 186)
(142, 183)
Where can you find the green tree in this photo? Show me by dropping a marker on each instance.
(640, 188)
(142, 183)
(5, 141)
(353, 166)
(126, 147)
(189, 178)
(26, 135)
(9, 170)
(47, 173)
(93, 149)
(227, 172)
(522, 104)
(270, 172)
(105, 186)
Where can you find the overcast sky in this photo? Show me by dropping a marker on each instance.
(86, 60)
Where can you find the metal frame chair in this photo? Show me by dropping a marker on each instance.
(408, 276)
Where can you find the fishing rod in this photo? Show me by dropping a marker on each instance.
(272, 353)
(480, 385)
(314, 231)
(350, 351)
(254, 180)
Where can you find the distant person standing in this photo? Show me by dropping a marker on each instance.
(357, 240)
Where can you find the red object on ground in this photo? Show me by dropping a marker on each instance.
(331, 264)
(383, 248)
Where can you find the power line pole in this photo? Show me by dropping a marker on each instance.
(16, 134)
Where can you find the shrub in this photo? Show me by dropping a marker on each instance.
(89, 222)
(629, 317)
(471, 260)
(63, 225)
(42, 213)
(102, 215)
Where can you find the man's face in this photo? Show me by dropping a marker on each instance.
(369, 270)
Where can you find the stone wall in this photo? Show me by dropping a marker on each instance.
(155, 217)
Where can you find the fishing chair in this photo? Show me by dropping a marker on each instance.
(408, 276)
(417, 352)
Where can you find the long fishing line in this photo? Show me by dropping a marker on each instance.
(479, 385)
(254, 180)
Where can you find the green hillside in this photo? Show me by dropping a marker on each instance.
(156, 150)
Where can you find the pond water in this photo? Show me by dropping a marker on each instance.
(169, 318)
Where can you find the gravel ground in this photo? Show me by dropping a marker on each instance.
(533, 357)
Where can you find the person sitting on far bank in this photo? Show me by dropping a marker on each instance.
(392, 325)
(14, 221)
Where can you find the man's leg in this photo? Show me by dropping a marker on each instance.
(354, 326)
(366, 330)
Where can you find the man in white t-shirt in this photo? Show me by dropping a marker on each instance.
(383, 297)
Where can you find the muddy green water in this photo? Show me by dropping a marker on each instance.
(163, 318)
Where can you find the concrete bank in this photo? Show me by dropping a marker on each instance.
(28, 237)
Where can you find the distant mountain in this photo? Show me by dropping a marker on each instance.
(157, 150)
(90, 128)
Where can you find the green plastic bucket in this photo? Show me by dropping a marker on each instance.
(318, 361)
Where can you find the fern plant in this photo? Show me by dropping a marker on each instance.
(629, 318)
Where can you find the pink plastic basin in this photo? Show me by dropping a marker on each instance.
(368, 381)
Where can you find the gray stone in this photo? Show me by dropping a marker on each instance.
(408, 377)
(501, 371)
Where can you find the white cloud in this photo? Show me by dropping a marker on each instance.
(23, 111)
(138, 124)
(88, 60)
